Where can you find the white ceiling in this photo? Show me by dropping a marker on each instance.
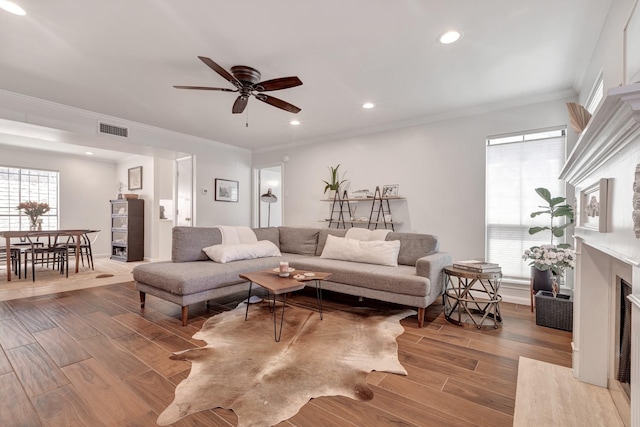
(122, 57)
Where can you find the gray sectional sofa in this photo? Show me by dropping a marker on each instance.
(190, 276)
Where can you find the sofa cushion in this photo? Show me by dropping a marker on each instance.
(299, 240)
(228, 253)
(401, 279)
(192, 277)
(271, 234)
(322, 237)
(371, 252)
(414, 246)
(187, 242)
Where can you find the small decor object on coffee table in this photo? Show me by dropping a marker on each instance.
(471, 297)
(276, 284)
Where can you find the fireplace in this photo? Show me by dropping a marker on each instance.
(607, 274)
(622, 347)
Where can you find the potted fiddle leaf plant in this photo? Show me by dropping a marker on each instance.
(334, 182)
(549, 261)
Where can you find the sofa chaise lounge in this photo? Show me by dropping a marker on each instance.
(191, 277)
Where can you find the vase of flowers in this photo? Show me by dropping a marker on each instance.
(549, 262)
(33, 210)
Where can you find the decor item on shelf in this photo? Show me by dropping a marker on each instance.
(120, 188)
(33, 210)
(269, 198)
(335, 181)
(551, 259)
(135, 178)
(594, 207)
(390, 190)
(39, 221)
(579, 116)
(226, 190)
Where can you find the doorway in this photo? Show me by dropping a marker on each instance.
(184, 191)
(269, 196)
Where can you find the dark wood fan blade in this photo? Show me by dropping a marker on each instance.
(240, 104)
(278, 103)
(218, 69)
(277, 84)
(206, 88)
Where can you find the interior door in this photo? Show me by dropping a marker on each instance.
(184, 191)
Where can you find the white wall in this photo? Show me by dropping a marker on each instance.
(608, 55)
(86, 186)
(232, 164)
(440, 168)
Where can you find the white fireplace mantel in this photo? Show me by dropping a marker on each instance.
(614, 125)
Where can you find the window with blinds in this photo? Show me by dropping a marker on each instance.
(19, 185)
(516, 166)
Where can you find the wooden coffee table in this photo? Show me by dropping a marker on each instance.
(276, 285)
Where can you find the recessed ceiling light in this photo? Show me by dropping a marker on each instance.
(88, 153)
(449, 37)
(368, 105)
(294, 123)
(12, 8)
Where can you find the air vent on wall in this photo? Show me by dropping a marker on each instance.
(114, 130)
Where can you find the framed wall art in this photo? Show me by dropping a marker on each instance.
(594, 206)
(226, 190)
(390, 190)
(135, 178)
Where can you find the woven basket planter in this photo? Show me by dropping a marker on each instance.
(556, 313)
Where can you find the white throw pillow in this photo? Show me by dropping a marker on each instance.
(228, 253)
(371, 252)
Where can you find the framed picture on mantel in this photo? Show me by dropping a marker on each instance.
(594, 206)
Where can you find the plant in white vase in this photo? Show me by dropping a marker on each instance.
(334, 182)
(551, 258)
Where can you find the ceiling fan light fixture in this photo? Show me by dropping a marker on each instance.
(294, 123)
(449, 37)
(11, 7)
(368, 105)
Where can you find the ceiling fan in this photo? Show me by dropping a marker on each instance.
(247, 81)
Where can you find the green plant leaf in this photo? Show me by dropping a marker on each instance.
(535, 214)
(556, 200)
(534, 230)
(564, 246)
(558, 232)
(545, 194)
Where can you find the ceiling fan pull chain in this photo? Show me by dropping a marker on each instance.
(247, 120)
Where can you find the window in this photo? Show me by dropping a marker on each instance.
(516, 166)
(22, 185)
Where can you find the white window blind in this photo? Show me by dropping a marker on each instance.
(19, 185)
(516, 166)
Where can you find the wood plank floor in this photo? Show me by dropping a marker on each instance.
(90, 357)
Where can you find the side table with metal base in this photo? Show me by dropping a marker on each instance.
(472, 298)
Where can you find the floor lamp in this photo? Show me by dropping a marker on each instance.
(269, 198)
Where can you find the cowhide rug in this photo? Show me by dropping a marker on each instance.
(265, 382)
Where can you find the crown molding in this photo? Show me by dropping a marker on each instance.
(614, 125)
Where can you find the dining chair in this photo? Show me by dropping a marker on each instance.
(54, 252)
(85, 248)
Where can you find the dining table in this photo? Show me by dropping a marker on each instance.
(52, 235)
